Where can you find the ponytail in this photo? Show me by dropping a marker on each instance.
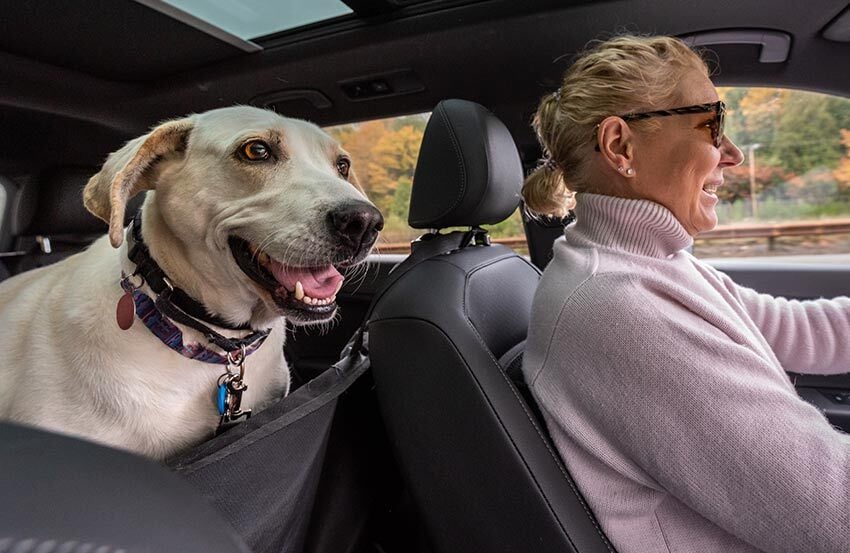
(545, 193)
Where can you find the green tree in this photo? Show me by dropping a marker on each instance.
(840, 110)
(401, 197)
(760, 109)
(807, 134)
(736, 122)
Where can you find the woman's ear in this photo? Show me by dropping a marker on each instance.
(616, 143)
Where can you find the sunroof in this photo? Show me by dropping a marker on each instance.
(250, 19)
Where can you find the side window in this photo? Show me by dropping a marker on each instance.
(791, 195)
(4, 228)
(384, 153)
(2, 205)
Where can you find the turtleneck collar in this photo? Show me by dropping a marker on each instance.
(640, 227)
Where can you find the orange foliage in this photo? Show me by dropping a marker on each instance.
(384, 154)
(842, 172)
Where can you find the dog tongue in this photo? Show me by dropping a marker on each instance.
(318, 282)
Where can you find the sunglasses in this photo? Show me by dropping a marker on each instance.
(716, 124)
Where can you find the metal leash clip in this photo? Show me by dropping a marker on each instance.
(230, 389)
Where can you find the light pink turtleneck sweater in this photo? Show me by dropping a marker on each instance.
(663, 386)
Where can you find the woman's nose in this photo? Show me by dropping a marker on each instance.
(730, 154)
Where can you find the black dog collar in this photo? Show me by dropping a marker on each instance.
(147, 268)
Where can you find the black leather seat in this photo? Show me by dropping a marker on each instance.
(478, 463)
(61, 494)
(50, 221)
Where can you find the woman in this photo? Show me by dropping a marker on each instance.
(663, 382)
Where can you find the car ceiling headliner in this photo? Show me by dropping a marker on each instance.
(123, 66)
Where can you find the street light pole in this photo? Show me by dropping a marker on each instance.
(752, 155)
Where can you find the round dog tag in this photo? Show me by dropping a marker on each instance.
(222, 399)
(125, 313)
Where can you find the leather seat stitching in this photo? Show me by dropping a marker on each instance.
(545, 440)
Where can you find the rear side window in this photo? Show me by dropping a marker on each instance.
(384, 153)
(2, 205)
(790, 198)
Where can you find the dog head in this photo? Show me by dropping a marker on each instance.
(245, 203)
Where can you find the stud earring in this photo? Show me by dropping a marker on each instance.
(630, 171)
(620, 168)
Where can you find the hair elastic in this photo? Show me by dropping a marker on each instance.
(549, 163)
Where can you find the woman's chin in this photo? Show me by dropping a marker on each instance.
(706, 223)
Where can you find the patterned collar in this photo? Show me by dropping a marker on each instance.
(162, 327)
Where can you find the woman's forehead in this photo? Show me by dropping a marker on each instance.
(696, 88)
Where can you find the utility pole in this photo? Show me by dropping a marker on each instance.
(751, 148)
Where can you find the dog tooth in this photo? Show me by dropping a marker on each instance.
(332, 299)
(263, 257)
(299, 291)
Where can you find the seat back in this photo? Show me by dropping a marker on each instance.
(51, 222)
(8, 195)
(479, 465)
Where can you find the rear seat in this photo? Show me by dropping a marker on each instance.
(8, 197)
(51, 222)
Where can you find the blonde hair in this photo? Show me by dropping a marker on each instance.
(621, 75)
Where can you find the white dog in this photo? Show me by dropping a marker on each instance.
(249, 219)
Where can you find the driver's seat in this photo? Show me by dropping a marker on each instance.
(480, 467)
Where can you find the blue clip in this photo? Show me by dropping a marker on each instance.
(222, 398)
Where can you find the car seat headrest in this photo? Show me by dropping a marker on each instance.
(468, 172)
(59, 206)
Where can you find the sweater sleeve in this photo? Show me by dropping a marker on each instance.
(808, 337)
(708, 419)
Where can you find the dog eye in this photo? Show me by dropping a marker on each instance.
(255, 150)
(343, 165)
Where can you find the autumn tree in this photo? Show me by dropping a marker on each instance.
(760, 109)
(736, 185)
(358, 139)
(842, 172)
(392, 157)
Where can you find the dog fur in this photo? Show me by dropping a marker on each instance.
(67, 365)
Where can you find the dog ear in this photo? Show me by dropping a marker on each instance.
(129, 171)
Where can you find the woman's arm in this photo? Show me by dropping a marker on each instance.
(808, 337)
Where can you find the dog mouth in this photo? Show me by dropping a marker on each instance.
(304, 294)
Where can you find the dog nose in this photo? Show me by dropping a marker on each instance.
(358, 224)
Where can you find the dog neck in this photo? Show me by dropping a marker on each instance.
(157, 279)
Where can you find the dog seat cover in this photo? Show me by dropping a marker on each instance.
(264, 474)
